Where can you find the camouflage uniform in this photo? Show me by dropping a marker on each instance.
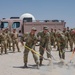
(1, 45)
(64, 33)
(3, 41)
(71, 40)
(8, 39)
(58, 47)
(61, 42)
(44, 43)
(20, 35)
(55, 33)
(69, 37)
(31, 40)
(73, 36)
(14, 36)
(52, 37)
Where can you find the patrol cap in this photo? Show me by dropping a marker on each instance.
(45, 28)
(33, 28)
(59, 32)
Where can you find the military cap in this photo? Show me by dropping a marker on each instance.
(59, 32)
(45, 28)
(33, 28)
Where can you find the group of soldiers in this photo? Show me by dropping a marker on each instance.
(7, 40)
(56, 38)
(47, 40)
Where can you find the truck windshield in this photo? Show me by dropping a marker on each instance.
(4, 25)
(16, 25)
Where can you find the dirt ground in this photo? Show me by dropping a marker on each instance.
(12, 64)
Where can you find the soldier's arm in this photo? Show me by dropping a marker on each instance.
(25, 35)
(35, 40)
(39, 36)
(12, 35)
(24, 38)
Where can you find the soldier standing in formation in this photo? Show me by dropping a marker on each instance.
(55, 32)
(14, 36)
(9, 38)
(73, 36)
(52, 37)
(4, 37)
(69, 41)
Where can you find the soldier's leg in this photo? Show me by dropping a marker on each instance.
(58, 46)
(26, 51)
(5, 47)
(63, 54)
(1, 48)
(67, 42)
(36, 59)
(71, 45)
(16, 42)
(5, 50)
(74, 40)
(9, 44)
(60, 53)
(52, 42)
(13, 46)
(41, 51)
(48, 48)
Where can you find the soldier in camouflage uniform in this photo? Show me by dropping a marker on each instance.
(44, 37)
(31, 41)
(73, 37)
(61, 42)
(1, 45)
(14, 36)
(70, 40)
(57, 41)
(9, 38)
(64, 33)
(55, 33)
(4, 37)
(52, 37)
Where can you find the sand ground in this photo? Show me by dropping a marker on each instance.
(12, 64)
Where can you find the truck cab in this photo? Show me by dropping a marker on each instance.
(11, 24)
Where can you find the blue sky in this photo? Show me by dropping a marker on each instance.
(41, 9)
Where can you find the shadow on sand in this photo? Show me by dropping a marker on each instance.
(28, 67)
